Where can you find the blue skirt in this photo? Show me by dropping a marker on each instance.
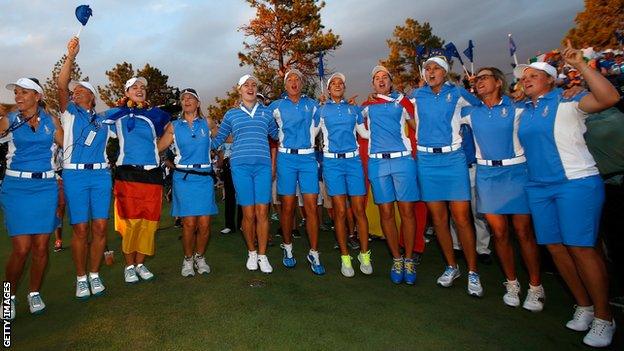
(193, 195)
(443, 176)
(500, 190)
(29, 205)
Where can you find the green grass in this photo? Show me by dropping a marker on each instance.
(294, 310)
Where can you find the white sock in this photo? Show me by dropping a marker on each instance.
(314, 254)
(33, 293)
(514, 282)
(82, 278)
(261, 256)
(587, 308)
(130, 266)
(288, 248)
(93, 275)
(254, 252)
(538, 287)
(139, 265)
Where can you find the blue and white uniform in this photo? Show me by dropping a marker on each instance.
(137, 136)
(565, 190)
(391, 167)
(29, 193)
(297, 124)
(501, 166)
(250, 160)
(87, 179)
(193, 186)
(442, 171)
(342, 167)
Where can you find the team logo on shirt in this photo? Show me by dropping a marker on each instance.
(203, 133)
(46, 129)
(306, 108)
(504, 112)
(449, 97)
(545, 112)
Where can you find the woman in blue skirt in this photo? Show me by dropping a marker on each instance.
(565, 191)
(193, 180)
(442, 168)
(251, 124)
(29, 191)
(87, 180)
(343, 174)
(500, 180)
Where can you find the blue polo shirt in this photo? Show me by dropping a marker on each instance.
(250, 130)
(551, 132)
(495, 129)
(438, 115)
(31, 151)
(386, 122)
(137, 141)
(339, 122)
(84, 137)
(191, 142)
(296, 122)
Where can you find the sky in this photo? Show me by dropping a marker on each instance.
(196, 43)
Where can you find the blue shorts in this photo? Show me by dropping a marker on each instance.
(344, 176)
(87, 193)
(500, 189)
(29, 205)
(293, 168)
(567, 212)
(393, 179)
(443, 176)
(252, 184)
(193, 195)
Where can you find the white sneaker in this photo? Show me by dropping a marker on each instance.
(130, 275)
(252, 260)
(82, 289)
(365, 262)
(187, 267)
(600, 334)
(449, 275)
(534, 301)
(97, 287)
(583, 316)
(265, 266)
(474, 284)
(346, 268)
(512, 296)
(226, 231)
(200, 264)
(35, 303)
(143, 272)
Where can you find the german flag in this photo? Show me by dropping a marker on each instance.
(138, 203)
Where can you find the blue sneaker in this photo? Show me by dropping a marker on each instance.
(315, 263)
(289, 262)
(410, 271)
(397, 271)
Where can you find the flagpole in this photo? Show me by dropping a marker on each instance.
(515, 58)
(472, 67)
(79, 31)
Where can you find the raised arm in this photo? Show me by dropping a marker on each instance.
(224, 131)
(73, 47)
(166, 139)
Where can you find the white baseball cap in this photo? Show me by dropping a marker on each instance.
(130, 82)
(378, 69)
(245, 78)
(191, 92)
(25, 83)
(73, 84)
(542, 66)
(438, 60)
(337, 75)
(293, 71)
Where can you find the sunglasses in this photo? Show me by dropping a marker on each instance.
(482, 77)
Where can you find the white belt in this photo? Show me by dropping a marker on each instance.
(351, 154)
(438, 150)
(33, 175)
(102, 165)
(390, 154)
(507, 162)
(296, 151)
(198, 166)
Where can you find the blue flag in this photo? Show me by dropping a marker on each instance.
(468, 52)
(83, 12)
(451, 51)
(437, 52)
(420, 50)
(321, 69)
(512, 46)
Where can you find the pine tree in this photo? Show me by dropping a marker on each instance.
(596, 25)
(402, 61)
(285, 34)
(50, 87)
(217, 110)
(117, 77)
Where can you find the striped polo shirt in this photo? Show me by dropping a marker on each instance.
(250, 130)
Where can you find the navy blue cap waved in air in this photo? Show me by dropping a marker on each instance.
(83, 12)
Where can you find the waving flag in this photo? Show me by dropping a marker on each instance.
(468, 52)
(420, 50)
(512, 46)
(83, 12)
(451, 51)
(437, 52)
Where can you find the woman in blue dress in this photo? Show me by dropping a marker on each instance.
(29, 191)
(250, 124)
(193, 180)
(500, 180)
